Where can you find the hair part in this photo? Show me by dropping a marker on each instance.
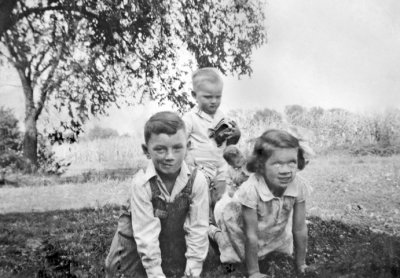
(267, 143)
(207, 75)
(163, 122)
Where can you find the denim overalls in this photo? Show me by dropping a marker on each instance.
(123, 257)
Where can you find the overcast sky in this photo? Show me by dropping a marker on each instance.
(326, 53)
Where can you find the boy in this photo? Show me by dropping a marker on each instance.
(209, 131)
(168, 214)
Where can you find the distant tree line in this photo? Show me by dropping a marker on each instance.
(330, 129)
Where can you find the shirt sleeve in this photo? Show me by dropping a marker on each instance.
(146, 230)
(196, 227)
(247, 195)
(304, 189)
(187, 118)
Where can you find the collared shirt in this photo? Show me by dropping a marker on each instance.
(274, 217)
(203, 149)
(147, 227)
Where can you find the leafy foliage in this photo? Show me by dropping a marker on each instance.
(98, 132)
(83, 56)
(329, 129)
(10, 139)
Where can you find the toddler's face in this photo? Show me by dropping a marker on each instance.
(237, 161)
(167, 151)
(208, 97)
(280, 169)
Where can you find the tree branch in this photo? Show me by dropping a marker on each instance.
(41, 10)
(46, 86)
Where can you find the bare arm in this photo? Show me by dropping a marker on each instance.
(251, 244)
(300, 236)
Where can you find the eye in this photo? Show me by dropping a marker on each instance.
(178, 148)
(293, 164)
(159, 150)
(277, 165)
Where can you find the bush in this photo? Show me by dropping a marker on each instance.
(98, 132)
(10, 143)
(11, 157)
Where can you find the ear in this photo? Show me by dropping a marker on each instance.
(145, 150)
(189, 144)
(194, 94)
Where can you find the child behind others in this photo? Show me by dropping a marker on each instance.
(237, 172)
(209, 132)
(267, 212)
(164, 231)
(205, 129)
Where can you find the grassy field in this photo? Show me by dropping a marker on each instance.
(353, 220)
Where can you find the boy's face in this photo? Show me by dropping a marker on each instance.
(280, 169)
(167, 151)
(208, 97)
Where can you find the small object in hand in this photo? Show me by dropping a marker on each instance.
(222, 131)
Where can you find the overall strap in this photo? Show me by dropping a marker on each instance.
(155, 190)
(189, 186)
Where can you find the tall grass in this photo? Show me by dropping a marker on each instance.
(325, 130)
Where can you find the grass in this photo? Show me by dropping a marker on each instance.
(74, 243)
(353, 220)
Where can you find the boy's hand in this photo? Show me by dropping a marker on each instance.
(304, 269)
(301, 269)
(234, 134)
(258, 275)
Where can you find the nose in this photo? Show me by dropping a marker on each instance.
(284, 169)
(169, 155)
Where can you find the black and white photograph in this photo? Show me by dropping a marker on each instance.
(199, 138)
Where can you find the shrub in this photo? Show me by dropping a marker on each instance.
(98, 132)
(10, 142)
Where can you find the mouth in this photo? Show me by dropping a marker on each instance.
(165, 165)
(285, 180)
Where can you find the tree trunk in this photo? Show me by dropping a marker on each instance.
(30, 136)
(30, 142)
(6, 7)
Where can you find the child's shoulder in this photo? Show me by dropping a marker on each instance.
(303, 186)
(139, 179)
(248, 189)
(199, 181)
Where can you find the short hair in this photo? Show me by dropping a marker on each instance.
(267, 143)
(206, 75)
(231, 152)
(163, 122)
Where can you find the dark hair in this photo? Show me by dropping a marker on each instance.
(230, 153)
(267, 143)
(163, 122)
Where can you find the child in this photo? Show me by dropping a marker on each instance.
(165, 230)
(267, 212)
(237, 172)
(209, 131)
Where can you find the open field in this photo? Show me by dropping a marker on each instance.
(353, 214)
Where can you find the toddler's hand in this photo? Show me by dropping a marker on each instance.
(234, 135)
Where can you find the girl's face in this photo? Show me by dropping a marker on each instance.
(280, 169)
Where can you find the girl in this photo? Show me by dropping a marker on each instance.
(267, 213)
